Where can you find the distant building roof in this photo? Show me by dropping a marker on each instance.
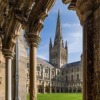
(44, 63)
(70, 65)
(47, 64)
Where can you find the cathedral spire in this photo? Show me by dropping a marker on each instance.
(66, 45)
(50, 42)
(58, 52)
(58, 35)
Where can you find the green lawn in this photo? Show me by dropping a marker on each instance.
(60, 96)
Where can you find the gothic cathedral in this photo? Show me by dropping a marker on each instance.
(58, 53)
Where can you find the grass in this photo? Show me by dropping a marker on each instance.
(60, 96)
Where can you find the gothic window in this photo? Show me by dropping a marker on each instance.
(28, 75)
(46, 70)
(71, 77)
(27, 65)
(62, 73)
(66, 71)
(77, 69)
(72, 70)
(0, 80)
(58, 72)
(66, 78)
(38, 68)
(77, 76)
(52, 72)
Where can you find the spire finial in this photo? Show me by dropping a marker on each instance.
(58, 35)
(66, 45)
(50, 42)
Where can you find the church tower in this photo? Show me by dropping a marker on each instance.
(58, 52)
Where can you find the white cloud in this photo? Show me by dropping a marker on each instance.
(43, 57)
(70, 25)
(73, 37)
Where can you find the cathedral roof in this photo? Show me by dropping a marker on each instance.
(70, 65)
(44, 63)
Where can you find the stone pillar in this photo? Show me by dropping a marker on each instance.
(33, 41)
(91, 52)
(43, 71)
(50, 70)
(50, 88)
(44, 88)
(8, 73)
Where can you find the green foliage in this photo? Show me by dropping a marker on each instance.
(59, 96)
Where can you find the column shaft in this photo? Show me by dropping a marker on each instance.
(33, 80)
(8, 79)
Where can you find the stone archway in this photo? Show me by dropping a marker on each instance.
(31, 14)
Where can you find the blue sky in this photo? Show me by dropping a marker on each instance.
(71, 31)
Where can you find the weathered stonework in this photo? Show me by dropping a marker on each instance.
(31, 14)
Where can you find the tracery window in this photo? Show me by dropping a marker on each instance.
(46, 70)
(77, 76)
(38, 68)
(62, 73)
(72, 70)
(66, 78)
(71, 77)
(66, 71)
(77, 69)
(52, 72)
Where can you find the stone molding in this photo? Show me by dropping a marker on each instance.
(8, 53)
(32, 39)
(83, 8)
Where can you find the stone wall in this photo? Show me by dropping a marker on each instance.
(2, 81)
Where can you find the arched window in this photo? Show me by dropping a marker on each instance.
(77, 69)
(72, 69)
(77, 76)
(46, 70)
(66, 71)
(71, 77)
(38, 68)
(66, 78)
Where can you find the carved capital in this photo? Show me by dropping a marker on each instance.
(66, 1)
(8, 53)
(32, 39)
(84, 9)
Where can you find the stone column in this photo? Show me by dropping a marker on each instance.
(50, 70)
(33, 41)
(16, 65)
(43, 71)
(91, 51)
(8, 73)
(50, 89)
(44, 88)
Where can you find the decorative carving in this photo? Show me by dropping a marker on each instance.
(8, 53)
(66, 1)
(32, 39)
